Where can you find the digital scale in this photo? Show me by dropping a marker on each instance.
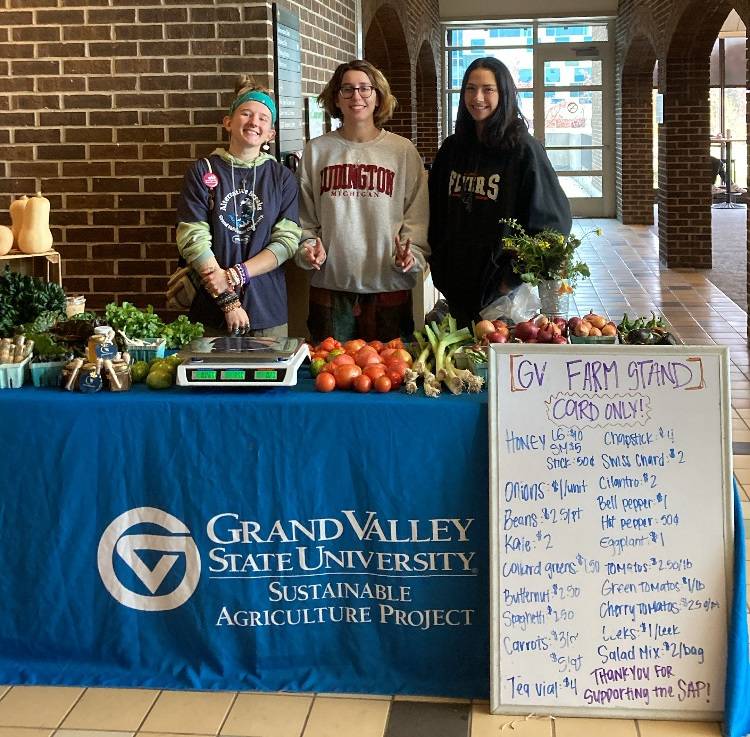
(230, 361)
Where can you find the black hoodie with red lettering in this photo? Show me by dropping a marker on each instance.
(472, 187)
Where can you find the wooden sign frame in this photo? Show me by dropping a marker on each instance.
(553, 372)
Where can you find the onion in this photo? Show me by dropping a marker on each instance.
(482, 328)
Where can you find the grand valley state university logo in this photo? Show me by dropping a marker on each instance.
(134, 548)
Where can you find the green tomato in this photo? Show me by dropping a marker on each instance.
(139, 371)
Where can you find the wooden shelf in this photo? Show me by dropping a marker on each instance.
(28, 263)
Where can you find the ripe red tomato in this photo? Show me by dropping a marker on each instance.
(362, 384)
(352, 346)
(345, 375)
(377, 345)
(327, 345)
(325, 382)
(396, 378)
(395, 364)
(382, 384)
(342, 359)
(374, 370)
(365, 356)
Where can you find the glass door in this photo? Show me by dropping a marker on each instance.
(574, 119)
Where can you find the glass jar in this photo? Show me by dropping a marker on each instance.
(118, 376)
(70, 373)
(90, 378)
(101, 344)
(75, 305)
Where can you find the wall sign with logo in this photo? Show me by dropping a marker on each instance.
(611, 530)
(290, 128)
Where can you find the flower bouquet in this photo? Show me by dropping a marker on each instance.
(547, 260)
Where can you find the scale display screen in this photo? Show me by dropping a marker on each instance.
(204, 375)
(233, 374)
(265, 374)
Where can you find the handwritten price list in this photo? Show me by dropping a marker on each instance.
(609, 532)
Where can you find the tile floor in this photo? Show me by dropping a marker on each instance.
(626, 277)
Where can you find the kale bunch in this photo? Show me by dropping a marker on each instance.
(24, 298)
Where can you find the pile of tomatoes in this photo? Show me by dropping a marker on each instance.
(358, 365)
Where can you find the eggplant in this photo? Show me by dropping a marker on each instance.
(639, 337)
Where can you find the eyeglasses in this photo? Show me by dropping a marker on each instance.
(365, 91)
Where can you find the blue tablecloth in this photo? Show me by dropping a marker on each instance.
(214, 539)
(383, 497)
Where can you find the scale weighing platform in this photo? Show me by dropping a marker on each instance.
(230, 361)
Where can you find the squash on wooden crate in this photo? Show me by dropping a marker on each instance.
(16, 216)
(6, 239)
(35, 235)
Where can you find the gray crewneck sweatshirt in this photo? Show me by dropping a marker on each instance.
(356, 197)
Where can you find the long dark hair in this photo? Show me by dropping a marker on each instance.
(504, 127)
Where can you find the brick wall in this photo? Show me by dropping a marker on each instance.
(106, 104)
(679, 34)
(403, 40)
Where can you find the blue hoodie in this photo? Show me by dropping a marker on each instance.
(254, 207)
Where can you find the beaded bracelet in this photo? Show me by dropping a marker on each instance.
(225, 297)
(231, 306)
(245, 272)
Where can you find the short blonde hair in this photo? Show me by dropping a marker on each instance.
(386, 103)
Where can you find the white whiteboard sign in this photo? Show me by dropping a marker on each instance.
(611, 525)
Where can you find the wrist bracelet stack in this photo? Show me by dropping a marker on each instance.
(237, 275)
(228, 301)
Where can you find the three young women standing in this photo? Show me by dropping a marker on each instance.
(491, 168)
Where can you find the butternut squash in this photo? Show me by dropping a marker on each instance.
(35, 235)
(16, 216)
(6, 239)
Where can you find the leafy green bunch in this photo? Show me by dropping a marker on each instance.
(547, 255)
(140, 324)
(24, 298)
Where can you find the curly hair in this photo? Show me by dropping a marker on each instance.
(386, 102)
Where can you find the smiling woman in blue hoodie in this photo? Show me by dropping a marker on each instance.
(237, 222)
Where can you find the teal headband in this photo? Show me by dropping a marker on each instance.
(258, 96)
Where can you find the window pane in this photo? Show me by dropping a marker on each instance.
(714, 66)
(734, 61)
(520, 63)
(526, 103)
(576, 159)
(575, 72)
(715, 107)
(739, 164)
(581, 186)
(734, 117)
(497, 36)
(453, 98)
(573, 118)
(558, 33)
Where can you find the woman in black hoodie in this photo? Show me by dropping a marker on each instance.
(491, 168)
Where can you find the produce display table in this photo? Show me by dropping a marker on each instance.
(278, 539)
(304, 541)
